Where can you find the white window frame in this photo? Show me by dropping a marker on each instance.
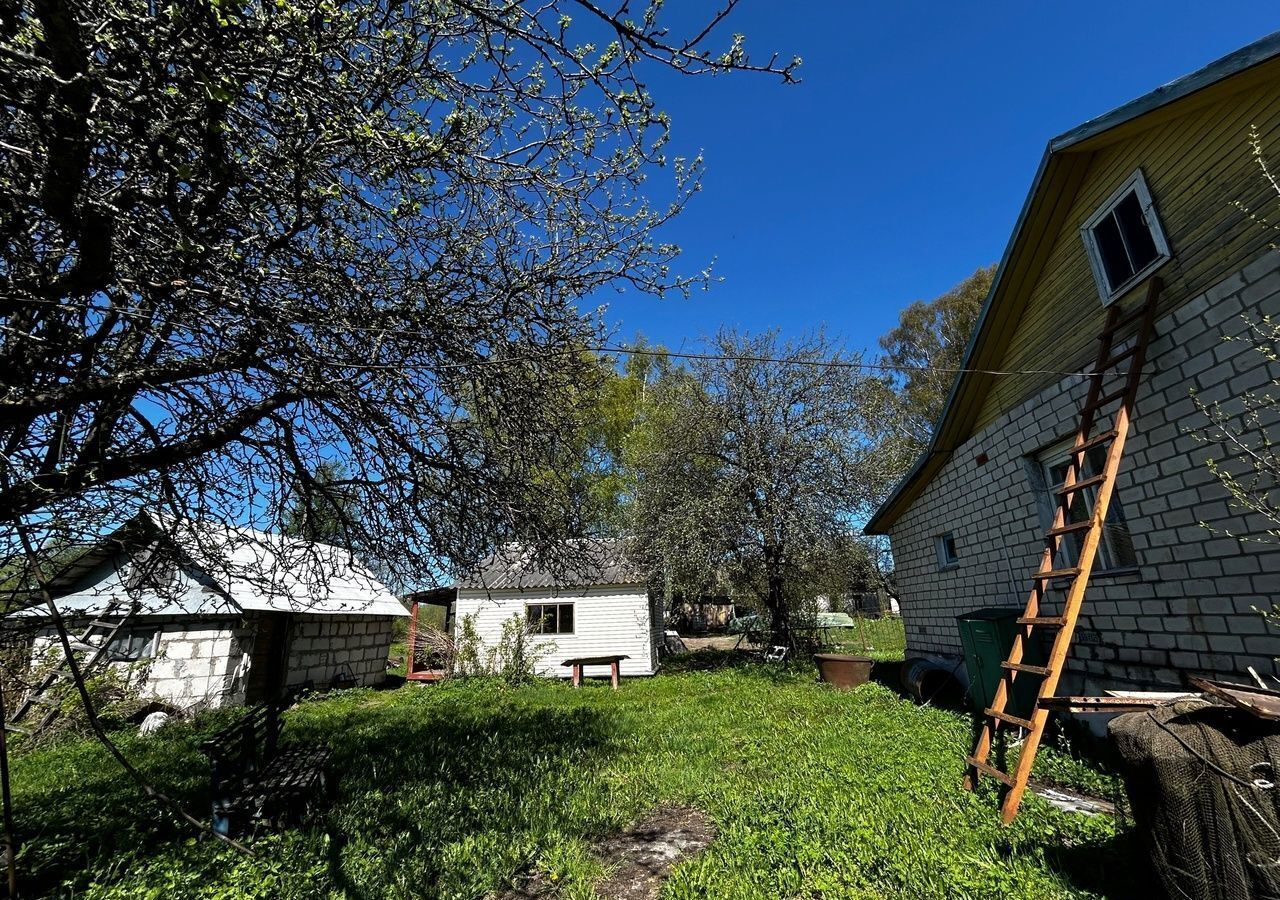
(947, 560)
(1135, 183)
(1106, 563)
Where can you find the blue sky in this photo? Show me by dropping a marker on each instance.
(899, 164)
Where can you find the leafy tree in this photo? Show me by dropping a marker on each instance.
(929, 343)
(615, 422)
(749, 469)
(237, 238)
(321, 512)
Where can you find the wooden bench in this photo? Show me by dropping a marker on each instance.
(254, 779)
(611, 661)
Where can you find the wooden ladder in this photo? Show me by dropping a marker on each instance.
(1073, 485)
(94, 642)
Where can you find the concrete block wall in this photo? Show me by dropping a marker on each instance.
(322, 647)
(197, 664)
(1189, 606)
(200, 663)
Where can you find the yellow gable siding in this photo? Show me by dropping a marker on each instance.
(1198, 167)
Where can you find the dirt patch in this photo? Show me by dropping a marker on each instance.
(639, 858)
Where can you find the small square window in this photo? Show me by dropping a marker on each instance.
(1124, 239)
(948, 553)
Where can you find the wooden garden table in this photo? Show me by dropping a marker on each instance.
(611, 661)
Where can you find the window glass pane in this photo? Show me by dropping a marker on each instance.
(131, 645)
(1137, 235)
(1116, 549)
(1115, 261)
(566, 618)
(537, 619)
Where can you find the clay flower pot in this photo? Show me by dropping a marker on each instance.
(842, 671)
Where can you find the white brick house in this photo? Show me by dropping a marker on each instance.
(227, 616)
(1169, 597)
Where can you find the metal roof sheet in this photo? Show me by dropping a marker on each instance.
(582, 562)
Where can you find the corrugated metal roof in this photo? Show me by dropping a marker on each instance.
(577, 563)
(228, 569)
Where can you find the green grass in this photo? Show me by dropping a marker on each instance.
(453, 790)
(881, 638)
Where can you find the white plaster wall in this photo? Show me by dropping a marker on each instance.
(607, 621)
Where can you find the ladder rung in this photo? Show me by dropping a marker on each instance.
(1063, 489)
(1069, 528)
(1023, 667)
(1103, 438)
(46, 700)
(1106, 398)
(990, 771)
(1051, 621)
(99, 623)
(1070, 572)
(1011, 719)
(84, 645)
(1127, 319)
(1119, 357)
(16, 729)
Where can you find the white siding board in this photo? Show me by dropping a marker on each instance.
(607, 620)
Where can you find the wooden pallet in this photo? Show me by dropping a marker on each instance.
(1033, 619)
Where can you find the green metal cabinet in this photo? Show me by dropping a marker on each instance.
(986, 635)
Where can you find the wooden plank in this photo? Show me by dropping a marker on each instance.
(1262, 703)
(1023, 667)
(989, 771)
(1043, 621)
(1092, 481)
(1010, 718)
(1067, 529)
(1100, 704)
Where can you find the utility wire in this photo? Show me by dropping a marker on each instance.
(632, 351)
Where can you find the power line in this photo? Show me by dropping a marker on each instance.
(632, 351)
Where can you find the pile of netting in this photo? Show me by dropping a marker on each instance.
(1202, 783)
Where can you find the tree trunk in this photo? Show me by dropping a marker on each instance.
(775, 599)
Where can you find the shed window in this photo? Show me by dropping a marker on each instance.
(948, 552)
(550, 618)
(133, 645)
(1124, 239)
(1115, 550)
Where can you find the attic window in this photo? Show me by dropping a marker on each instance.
(1124, 239)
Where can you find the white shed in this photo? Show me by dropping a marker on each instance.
(215, 615)
(601, 606)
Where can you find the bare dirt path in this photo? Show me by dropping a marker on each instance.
(639, 858)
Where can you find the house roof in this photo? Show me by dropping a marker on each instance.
(233, 568)
(582, 562)
(1060, 175)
